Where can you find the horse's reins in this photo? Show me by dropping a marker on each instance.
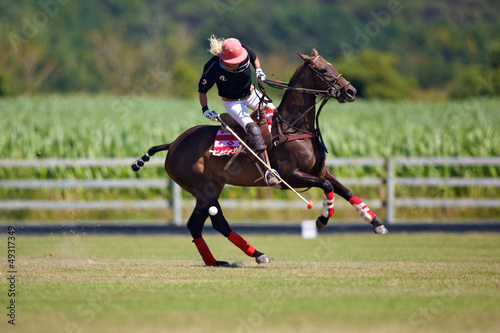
(284, 86)
(332, 91)
(268, 167)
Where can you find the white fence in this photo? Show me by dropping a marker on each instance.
(390, 182)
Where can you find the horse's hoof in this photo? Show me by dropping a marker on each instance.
(321, 222)
(380, 230)
(262, 259)
(222, 264)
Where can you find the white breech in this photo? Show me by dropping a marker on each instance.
(238, 109)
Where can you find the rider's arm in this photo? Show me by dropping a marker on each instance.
(203, 101)
(212, 115)
(256, 63)
(258, 71)
(207, 81)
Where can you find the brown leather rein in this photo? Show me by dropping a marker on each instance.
(332, 91)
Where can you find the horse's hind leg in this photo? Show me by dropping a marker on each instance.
(220, 224)
(355, 202)
(197, 220)
(195, 226)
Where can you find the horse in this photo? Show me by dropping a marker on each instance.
(296, 152)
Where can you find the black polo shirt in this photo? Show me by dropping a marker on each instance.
(230, 85)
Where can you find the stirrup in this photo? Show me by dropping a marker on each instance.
(268, 174)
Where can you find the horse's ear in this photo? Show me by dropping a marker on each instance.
(314, 53)
(304, 57)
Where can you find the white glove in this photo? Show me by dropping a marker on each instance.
(260, 74)
(212, 115)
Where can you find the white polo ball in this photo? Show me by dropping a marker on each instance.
(213, 210)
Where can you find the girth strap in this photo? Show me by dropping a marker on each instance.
(282, 138)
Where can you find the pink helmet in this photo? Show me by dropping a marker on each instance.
(232, 51)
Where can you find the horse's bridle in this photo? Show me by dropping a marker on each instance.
(332, 91)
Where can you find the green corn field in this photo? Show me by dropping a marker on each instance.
(106, 126)
(84, 126)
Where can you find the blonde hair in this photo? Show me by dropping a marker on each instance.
(215, 45)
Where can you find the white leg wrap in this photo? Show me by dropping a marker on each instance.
(362, 209)
(328, 205)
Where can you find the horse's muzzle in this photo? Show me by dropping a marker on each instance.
(347, 94)
(350, 93)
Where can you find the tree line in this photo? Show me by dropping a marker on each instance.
(390, 49)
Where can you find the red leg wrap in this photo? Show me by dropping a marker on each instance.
(202, 247)
(241, 243)
(269, 116)
(355, 201)
(362, 209)
(328, 208)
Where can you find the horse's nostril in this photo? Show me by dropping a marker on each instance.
(351, 92)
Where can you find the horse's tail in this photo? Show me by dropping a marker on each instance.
(153, 150)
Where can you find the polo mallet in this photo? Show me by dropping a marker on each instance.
(309, 203)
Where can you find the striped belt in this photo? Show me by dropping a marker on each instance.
(239, 99)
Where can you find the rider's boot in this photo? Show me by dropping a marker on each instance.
(257, 144)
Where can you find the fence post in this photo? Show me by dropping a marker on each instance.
(391, 190)
(176, 203)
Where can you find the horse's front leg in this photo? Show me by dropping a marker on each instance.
(301, 179)
(355, 202)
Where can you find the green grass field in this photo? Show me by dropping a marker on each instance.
(334, 283)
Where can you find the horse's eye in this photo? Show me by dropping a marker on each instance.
(323, 70)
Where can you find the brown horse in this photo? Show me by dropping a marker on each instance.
(297, 153)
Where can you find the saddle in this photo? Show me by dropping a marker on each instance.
(224, 139)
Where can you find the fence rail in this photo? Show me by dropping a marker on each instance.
(390, 182)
